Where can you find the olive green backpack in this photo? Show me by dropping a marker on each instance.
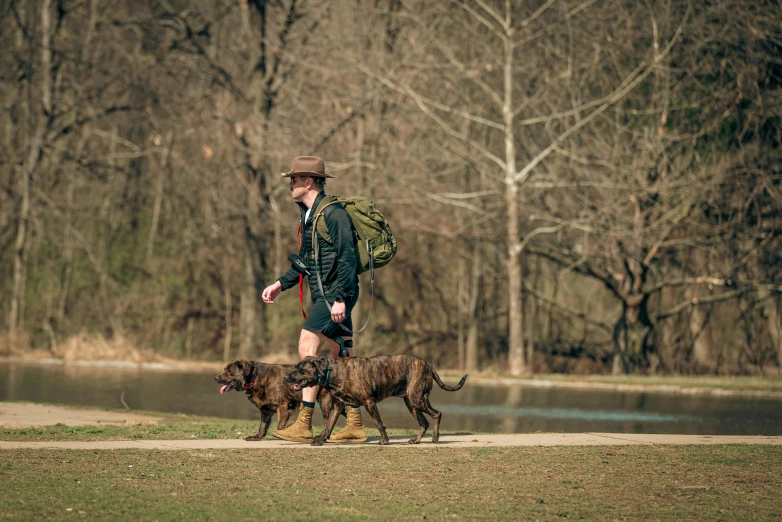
(375, 245)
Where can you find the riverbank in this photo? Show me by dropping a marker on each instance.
(766, 387)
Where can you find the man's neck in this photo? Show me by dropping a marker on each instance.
(310, 198)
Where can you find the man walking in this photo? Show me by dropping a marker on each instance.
(337, 266)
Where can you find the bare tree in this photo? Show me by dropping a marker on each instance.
(499, 83)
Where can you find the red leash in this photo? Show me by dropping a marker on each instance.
(301, 276)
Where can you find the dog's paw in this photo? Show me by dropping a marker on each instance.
(414, 440)
(384, 442)
(254, 437)
(318, 441)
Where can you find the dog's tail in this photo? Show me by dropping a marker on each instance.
(444, 386)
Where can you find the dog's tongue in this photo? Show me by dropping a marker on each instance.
(223, 388)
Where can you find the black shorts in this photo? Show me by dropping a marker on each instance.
(319, 318)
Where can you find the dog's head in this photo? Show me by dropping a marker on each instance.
(235, 376)
(306, 372)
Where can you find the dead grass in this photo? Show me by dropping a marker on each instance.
(86, 347)
(595, 483)
(16, 345)
(81, 347)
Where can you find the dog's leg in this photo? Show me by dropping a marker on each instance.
(419, 416)
(283, 414)
(371, 408)
(330, 422)
(266, 418)
(326, 403)
(436, 416)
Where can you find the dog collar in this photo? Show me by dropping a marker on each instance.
(250, 383)
(323, 380)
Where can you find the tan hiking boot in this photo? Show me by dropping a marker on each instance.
(299, 431)
(353, 431)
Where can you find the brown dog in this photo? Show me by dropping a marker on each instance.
(265, 387)
(369, 380)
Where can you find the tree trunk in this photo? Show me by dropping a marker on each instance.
(16, 314)
(775, 329)
(515, 314)
(529, 329)
(228, 301)
(68, 237)
(39, 118)
(106, 230)
(247, 308)
(159, 185)
(189, 337)
(631, 338)
(472, 359)
(770, 310)
(461, 298)
(251, 327)
(702, 353)
(273, 314)
(701, 337)
(67, 268)
(515, 317)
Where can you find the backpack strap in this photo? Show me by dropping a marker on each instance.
(321, 210)
(327, 201)
(301, 276)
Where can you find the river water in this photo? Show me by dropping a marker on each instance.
(474, 408)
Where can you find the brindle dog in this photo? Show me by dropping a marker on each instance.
(265, 387)
(369, 380)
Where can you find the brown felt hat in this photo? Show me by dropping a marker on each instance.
(307, 166)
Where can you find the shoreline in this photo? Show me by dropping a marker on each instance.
(573, 382)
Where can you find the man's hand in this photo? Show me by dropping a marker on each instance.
(271, 292)
(338, 312)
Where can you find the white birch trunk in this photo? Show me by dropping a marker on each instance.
(515, 314)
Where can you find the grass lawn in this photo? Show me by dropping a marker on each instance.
(734, 482)
(655, 483)
(171, 427)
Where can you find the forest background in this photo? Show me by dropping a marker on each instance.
(575, 186)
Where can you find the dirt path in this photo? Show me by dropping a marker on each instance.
(23, 414)
(447, 441)
(30, 414)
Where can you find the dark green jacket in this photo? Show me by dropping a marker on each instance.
(337, 260)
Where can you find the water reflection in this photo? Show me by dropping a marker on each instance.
(499, 409)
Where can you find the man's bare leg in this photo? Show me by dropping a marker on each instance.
(309, 342)
(301, 430)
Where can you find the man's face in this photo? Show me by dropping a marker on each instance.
(299, 187)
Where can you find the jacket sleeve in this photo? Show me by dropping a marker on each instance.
(341, 231)
(291, 277)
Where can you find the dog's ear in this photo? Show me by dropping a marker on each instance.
(246, 367)
(321, 364)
